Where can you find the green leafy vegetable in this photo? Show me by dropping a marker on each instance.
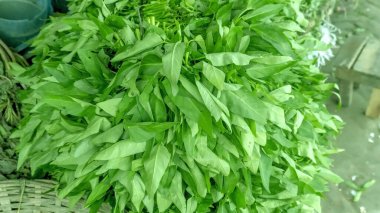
(180, 106)
(10, 112)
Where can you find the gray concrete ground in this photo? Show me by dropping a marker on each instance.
(361, 136)
(359, 162)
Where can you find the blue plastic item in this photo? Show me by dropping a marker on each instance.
(20, 20)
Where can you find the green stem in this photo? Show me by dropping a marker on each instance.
(8, 51)
(139, 13)
(5, 59)
(21, 60)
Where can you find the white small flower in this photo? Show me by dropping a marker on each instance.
(362, 209)
(328, 37)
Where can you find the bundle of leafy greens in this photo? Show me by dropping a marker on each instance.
(180, 106)
(9, 112)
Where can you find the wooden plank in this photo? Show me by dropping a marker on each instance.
(349, 52)
(369, 59)
(358, 77)
(373, 108)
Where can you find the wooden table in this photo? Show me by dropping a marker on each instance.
(358, 62)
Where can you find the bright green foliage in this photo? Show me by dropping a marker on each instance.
(180, 106)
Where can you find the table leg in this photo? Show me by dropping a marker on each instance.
(346, 90)
(356, 86)
(373, 108)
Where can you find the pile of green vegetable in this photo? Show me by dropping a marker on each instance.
(9, 112)
(180, 106)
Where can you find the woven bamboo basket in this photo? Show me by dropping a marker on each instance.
(35, 196)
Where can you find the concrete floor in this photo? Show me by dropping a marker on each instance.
(361, 136)
(360, 161)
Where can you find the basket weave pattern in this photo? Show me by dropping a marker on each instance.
(33, 196)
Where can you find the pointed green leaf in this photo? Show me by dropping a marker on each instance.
(227, 58)
(245, 104)
(138, 192)
(176, 193)
(155, 167)
(172, 63)
(265, 11)
(214, 75)
(277, 116)
(110, 106)
(265, 170)
(150, 41)
(209, 101)
(121, 149)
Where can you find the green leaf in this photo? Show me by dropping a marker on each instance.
(209, 159)
(93, 128)
(209, 102)
(144, 100)
(155, 167)
(121, 149)
(192, 110)
(244, 44)
(282, 94)
(238, 198)
(277, 116)
(85, 86)
(98, 192)
(290, 26)
(298, 121)
(214, 75)
(264, 12)
(138, 191)
(73, 185)
(150, 41)
(198, 178)
(265, 167)
(191, 205)
(276, 37)
(281, 139)
(111, 135)
(227, 144)
(121, 74)
(365, 186)
(172, 63)
(246, 105)
(149, 203)
(91, 63)
(176, 193)
(191, 88)
(257, 71)
(110, 106)
(273, 59)
(330, 176)
(227, 58)
(312, 201)
(163, 202)
(145, 131)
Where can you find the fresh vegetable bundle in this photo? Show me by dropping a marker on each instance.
(9, 111)
(180, 106)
